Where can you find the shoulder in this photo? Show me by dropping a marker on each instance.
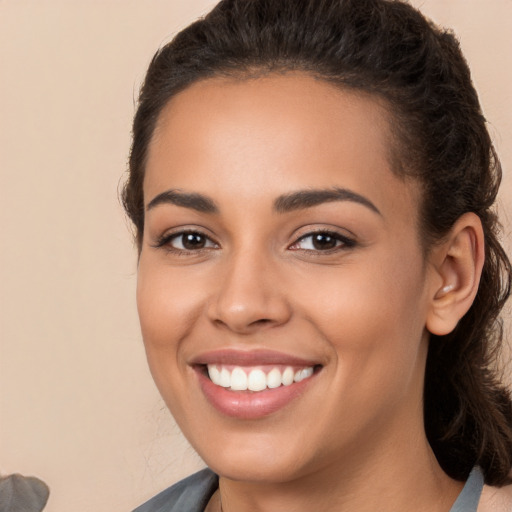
(496, 499)
(188, 495)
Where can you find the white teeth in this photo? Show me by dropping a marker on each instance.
(214, 374)
(257, 380)
(303, 374)
(225, 378)
(287, 377)
(239, 379)
(307, 372)
(274, 378)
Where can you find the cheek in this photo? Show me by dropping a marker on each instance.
(373, 316)
(167, 306)
(167, 303)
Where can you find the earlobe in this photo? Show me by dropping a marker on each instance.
(458, 264)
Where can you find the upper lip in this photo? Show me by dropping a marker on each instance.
(255, 357)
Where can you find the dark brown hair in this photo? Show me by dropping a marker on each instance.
(386, 48)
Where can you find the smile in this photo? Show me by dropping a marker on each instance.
(256, 379)
(251, 385)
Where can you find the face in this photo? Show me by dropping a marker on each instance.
(281, 287)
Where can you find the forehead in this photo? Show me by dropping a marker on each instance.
(269, 133)
(296, 104)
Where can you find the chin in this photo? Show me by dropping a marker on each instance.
(257, 470)
(258, 458)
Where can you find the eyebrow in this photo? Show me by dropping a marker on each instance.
(308, 198)
(298, 200)
(193, 201)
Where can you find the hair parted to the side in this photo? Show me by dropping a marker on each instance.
(386, 48)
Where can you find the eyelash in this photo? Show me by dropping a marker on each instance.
(165, 241)
(342, 242)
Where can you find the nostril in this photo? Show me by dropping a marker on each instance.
(262, 321)
(249, 326)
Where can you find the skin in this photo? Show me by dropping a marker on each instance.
(362, 309)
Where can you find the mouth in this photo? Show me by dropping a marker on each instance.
(252, 385)
(256, 379)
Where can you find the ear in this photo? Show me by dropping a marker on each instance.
(457, 265)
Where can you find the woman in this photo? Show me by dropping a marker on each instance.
(320, 277)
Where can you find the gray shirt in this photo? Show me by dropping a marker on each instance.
(470, 495)
(193, 494)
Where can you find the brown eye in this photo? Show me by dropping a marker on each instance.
(323, 241)
(187, 241)
(191, 241)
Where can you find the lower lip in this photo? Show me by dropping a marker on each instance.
(249, 405)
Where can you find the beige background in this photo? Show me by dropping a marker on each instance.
(77, 405)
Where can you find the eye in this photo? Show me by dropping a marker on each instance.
(322, 241)
(186, 241)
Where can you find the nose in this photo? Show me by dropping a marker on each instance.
(249, 295)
